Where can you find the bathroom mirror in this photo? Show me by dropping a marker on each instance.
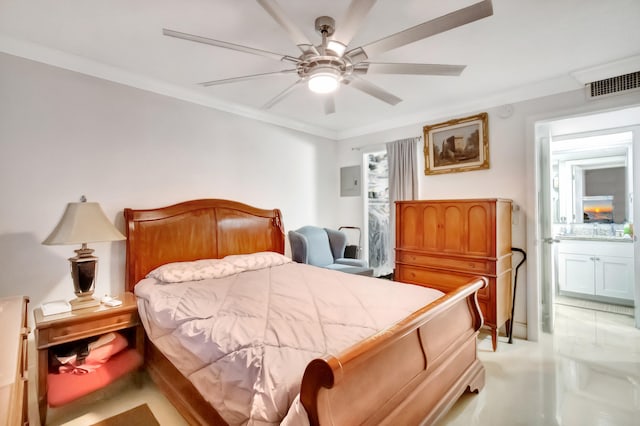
(591, 175)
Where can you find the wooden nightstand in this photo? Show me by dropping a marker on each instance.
(67, 327)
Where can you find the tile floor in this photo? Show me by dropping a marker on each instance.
(587, 373)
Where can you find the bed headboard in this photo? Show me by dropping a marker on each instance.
(198, 229)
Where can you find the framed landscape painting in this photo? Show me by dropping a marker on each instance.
(458, 145)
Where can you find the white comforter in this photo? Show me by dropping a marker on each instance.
(254, 330)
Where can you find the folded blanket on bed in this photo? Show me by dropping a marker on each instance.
(256, 330)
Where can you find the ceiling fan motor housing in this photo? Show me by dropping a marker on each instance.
(325, 25)
(330, 64)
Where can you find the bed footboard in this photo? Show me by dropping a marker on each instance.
(410, 373)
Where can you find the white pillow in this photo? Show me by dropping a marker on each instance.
(197, 270)
(253, 261)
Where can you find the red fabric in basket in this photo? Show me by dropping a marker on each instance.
(67, 387)
(97, 355)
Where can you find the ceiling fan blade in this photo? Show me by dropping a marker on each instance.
(426, 29)
(357, 11)
(280, 96)
(227, 45)
(356, 56)
(414, 69)
(373, 90)
(279, 15)
(329, 104)
(246, 77)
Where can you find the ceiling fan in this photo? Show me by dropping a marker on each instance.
(327, 65)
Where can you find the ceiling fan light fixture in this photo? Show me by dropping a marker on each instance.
(324, 80)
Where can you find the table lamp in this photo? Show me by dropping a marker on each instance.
(83, 223)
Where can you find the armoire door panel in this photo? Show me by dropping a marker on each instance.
(480, 230)
(410, 231)
(432, 232)
(453, 228)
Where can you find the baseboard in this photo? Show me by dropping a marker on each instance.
(520, 330)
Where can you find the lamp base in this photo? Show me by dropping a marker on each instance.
(83, 302)
(83, 271)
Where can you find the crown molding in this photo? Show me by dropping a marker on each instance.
(519, 94)
(60, 59)
(608, 70)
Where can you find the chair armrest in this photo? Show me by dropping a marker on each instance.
(299, 247)
(337, 241)
(352, 262)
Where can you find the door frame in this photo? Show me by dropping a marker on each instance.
(535, 229)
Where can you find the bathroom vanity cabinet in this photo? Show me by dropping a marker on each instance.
(596, 268)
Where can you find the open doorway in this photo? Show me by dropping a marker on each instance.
(587, 183)
(378, 245)
(592, 216)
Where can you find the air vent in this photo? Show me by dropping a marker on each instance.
(614, 85)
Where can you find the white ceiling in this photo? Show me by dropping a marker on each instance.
(527, 49)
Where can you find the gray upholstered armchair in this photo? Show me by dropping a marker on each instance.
(325, 248)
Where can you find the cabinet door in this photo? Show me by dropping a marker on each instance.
(452, 227)
(614, 277)
(432, 230)
(409, 226)
(576, 273)
(468, 228)
(431, 227)
(481, 230)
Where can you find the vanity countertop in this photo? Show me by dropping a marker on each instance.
(595, 238)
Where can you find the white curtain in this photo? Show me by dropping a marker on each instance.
(403, 178)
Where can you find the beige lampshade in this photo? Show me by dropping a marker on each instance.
(83, 223)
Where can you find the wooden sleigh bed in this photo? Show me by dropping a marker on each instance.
(410, 373)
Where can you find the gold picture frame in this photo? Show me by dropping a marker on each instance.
(458, 145)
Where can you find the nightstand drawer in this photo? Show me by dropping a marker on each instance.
(82, 329)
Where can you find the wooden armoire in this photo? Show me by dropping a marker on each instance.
(443, 243)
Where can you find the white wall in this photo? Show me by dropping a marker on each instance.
(64, 134)
(511, 175)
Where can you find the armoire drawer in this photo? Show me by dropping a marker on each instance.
(479, 266)
(445, 281)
